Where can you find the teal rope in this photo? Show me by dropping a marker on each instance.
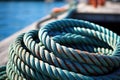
(65, 49)
(3, 72)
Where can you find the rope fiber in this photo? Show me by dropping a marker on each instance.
(66, 49)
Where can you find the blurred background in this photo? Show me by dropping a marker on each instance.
(17, 14)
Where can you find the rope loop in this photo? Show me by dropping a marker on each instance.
(66, 49)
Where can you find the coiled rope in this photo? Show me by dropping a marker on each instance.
(65, 50)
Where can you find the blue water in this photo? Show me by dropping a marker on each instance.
(16, 15)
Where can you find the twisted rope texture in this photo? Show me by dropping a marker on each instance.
(65, 50)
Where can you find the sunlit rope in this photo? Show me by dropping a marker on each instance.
(66, 49)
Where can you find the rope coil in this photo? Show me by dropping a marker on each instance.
(66, 49)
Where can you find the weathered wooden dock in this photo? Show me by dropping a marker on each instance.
(4, 44)
(110, 8)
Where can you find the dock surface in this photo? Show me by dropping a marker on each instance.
(4, 44)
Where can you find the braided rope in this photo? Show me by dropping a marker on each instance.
(65, 49)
